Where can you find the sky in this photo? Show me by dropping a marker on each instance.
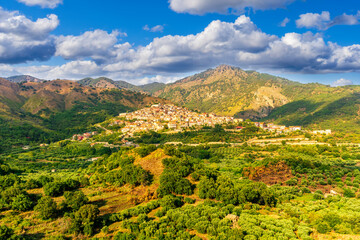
(142, 41)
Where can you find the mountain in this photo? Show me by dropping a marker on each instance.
(36, 111)
(322, 107)
(231, 91)
(24, 78)
(103, 82)
(151, 88)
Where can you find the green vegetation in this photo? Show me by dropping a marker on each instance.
(219, 183)
(213, 191)
(30, 116)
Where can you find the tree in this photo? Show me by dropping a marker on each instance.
(170, 201)
(22, 202)
(75, 200)
(348, 193)
(46, 207)
(43, 180)
(71, 184)
(54, 189)
(11, 192)
(83, 220)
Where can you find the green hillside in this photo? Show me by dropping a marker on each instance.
(231, 91)
(334, 108)
(53, 110)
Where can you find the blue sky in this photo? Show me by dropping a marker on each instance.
(143, 41)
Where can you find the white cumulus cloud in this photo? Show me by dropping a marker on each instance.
(323, 21)
(342, 82)
(224, 6)
(240, 43)
(98, 44)
(284, 22)
(42, 3)
(22, 39)
(157, 28)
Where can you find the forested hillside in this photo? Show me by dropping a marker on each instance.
(53, 110)
(231, 91)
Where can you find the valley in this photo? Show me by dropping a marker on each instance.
(95, 159)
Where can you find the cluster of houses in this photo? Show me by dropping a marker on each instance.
(277, 128)
(166, 116)
(159, 116)
(283, 129)
(84, 136)
(322, 132)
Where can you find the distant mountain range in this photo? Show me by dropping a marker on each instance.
(231, 91)
(104, 82)
(24, 78)
(56, 109)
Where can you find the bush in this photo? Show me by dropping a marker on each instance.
(323, 227)
(84, 181)
(75, 200)
(43, 180)
(124, 236)
(144, 151)
(46, 208)
(318, 196)
(83, 221)
(54, 189)
(71, 184)
(21, 202)
(32, 184)
(11, 192)
(306, 190)
(170, 201)
(349, 193)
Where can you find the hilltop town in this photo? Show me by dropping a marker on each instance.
(164, 116)
(170, 118)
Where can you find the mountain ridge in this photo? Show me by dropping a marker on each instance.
(61, 107)
(231, 91)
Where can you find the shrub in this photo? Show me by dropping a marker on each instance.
(170, 201)
(46, 207)
(43, 180)
(84, 181)
(144, 151)
(75, 200)
(323, 227)
(349, 193)
(306, 190)
(83, 221)
(21, 202)
(32, 183)
(124, 236)
(318, 196)
(11, 192)
(71, 184)
(54, 189)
